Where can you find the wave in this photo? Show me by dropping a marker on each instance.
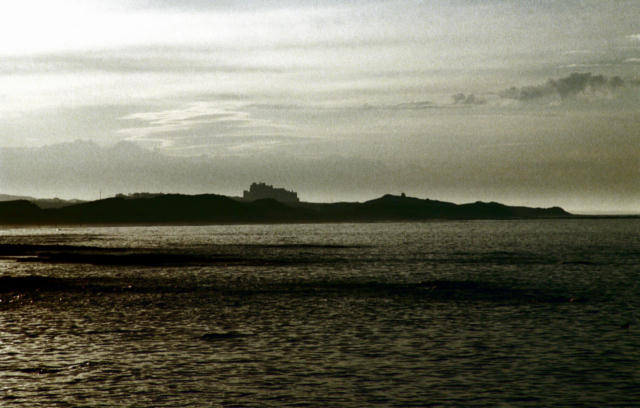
(436, 290)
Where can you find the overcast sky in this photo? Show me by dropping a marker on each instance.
(523, 102)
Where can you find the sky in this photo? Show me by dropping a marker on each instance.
(526, 103)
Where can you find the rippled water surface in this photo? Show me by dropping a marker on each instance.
(479, 313)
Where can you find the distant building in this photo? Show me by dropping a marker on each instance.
(259, 191)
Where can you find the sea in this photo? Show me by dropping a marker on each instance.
(511, 313)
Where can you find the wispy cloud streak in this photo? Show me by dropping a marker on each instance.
(179, 128)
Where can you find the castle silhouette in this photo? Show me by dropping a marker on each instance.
(258, 191)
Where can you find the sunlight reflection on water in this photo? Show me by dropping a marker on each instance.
(518, 313)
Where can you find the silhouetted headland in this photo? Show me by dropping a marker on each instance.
(218, 209)
(41, 202)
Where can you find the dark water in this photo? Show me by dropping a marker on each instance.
(482, 313)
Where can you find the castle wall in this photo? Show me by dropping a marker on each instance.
(259, 191)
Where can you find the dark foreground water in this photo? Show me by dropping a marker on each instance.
(481, 313)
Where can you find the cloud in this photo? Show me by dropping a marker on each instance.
(199, 124)
(414, 105)
(470, 99)
(578, 52)
(275, 106)
(173, 120)
(569, 87)
(132, 60)
(206, 5)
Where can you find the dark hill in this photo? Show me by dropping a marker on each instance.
(20, 212)
(217, 209)
(400, 208)
(177, 209)
(41, 202)
(385, 208)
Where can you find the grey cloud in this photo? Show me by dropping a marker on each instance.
(208, 125)
(576, 83)
(100, 122)
(470, 99)
(414, 105)
(274, 106)
(566, 88)
(201, 5)
(130, 60)
(205, 143)
(204, 5)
